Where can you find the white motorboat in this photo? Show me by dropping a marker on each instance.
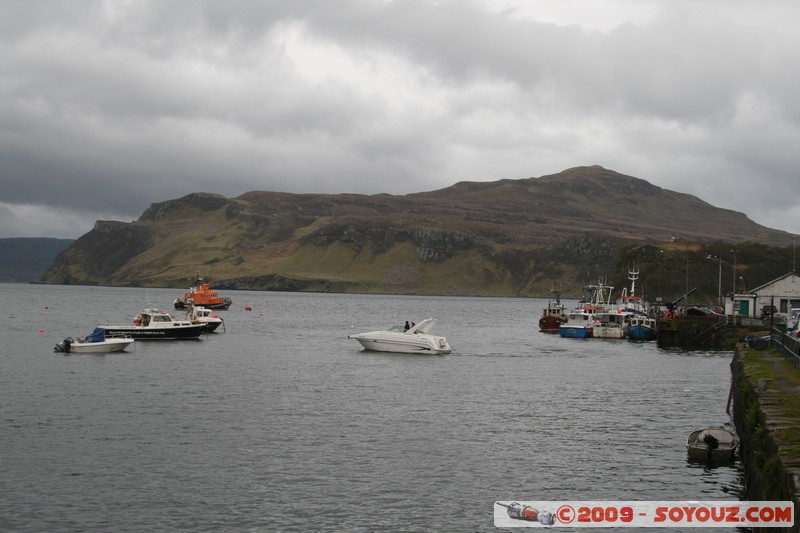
(416, 339)
(95, 342)
(208, 319)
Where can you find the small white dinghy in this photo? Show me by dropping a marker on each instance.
(95, 342)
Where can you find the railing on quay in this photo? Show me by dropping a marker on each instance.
(789, 345)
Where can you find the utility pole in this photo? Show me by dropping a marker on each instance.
(686, 303)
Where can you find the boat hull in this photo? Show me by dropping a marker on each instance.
(106, 346)
(641, 333)
(147, 333)
(209, 327)
(574, 332)
(403, 343)
(550, 324)
(217, 306)
(400, 347)
(610, 332)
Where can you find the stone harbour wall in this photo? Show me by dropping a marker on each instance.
(765, 392)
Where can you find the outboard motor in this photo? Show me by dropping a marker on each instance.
(711, 441)
(711, 444)
(64, 346)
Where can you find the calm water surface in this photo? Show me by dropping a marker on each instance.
(282, 423)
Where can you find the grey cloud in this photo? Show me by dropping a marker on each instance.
(127, 103)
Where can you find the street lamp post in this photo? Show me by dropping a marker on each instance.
(659, 256)
(719, 291)
(687, 275)
(733, 294)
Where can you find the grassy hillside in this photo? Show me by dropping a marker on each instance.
(509, 237)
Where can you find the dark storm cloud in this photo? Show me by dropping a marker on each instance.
(106, 107)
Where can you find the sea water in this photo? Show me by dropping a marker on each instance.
(281, 423)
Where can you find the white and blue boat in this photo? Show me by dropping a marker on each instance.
(581, 321)
(578, 325)
(641, 328)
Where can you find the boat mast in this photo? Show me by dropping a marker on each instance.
(633, 275)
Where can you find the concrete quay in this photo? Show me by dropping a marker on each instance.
(705, 333)
(765, 393)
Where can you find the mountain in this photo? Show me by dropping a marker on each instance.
(25, 259)
(507, 237)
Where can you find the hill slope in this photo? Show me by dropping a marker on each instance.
(508, 237)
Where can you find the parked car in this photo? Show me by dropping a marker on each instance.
(793, 319)
(794, 329)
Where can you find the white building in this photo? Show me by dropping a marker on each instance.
(783, 293)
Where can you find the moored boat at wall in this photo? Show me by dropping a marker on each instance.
(641, 328)
(712, 445)
(580, 322)
(610, 325)
(578, 325)
(553, 315)
(637, 311)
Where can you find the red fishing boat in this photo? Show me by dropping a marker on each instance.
(552, 316)
(202, 294)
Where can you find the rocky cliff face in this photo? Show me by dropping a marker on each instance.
(509, 237)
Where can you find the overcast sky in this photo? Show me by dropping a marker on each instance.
(109, 106)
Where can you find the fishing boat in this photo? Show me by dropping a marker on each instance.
(642, 328)
(399, 339)
(94, 342)
(203, 295)
(578, 325)
(714, 444)
(152, 324)
(553, 315)
(610, 325)
(581, 321)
